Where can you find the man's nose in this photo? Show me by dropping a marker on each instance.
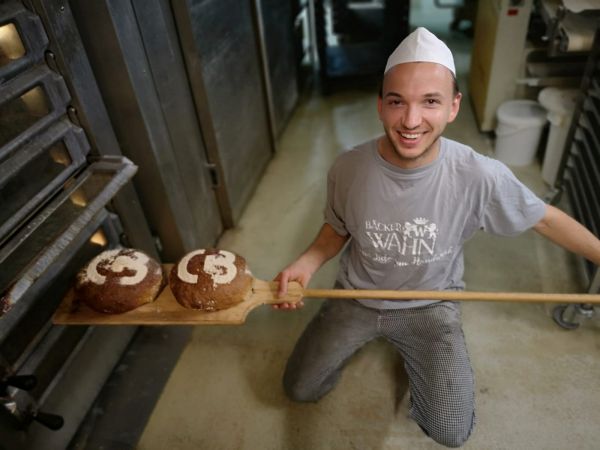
(412, 118)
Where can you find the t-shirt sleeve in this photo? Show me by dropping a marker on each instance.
(334, 205)
(511, 207)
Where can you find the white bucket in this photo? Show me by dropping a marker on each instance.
(520, 124)
(560, 104)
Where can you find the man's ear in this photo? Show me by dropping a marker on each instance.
(379, 105)
(455, 107)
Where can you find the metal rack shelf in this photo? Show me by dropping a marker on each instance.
(579, 175)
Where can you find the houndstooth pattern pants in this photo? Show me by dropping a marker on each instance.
(431, 342)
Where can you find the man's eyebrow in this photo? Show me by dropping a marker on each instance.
(393, 94)
(434, 94)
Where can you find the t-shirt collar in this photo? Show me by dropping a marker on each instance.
(410, 173)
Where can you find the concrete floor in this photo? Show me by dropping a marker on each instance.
(537, 385)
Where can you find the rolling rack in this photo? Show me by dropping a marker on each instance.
(579, 177)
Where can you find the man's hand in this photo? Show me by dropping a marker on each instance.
(326, 245)
(297, 271)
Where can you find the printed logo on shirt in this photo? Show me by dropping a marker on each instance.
(404, 244)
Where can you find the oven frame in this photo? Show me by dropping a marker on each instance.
(101, 362)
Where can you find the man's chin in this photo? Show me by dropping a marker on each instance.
(409, 154)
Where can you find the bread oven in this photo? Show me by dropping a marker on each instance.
(60, 199)
(87, 88)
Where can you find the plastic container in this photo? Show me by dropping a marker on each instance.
(520, 125)
(560, 104)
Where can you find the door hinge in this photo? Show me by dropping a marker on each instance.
(72, 114)
(157, 243)
(214, 175)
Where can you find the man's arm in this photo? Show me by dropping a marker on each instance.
(569, 234)
(326, 245)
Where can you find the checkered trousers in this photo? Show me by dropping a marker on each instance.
(431, 342)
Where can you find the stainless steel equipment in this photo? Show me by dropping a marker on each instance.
(354, 38)
(60, 198)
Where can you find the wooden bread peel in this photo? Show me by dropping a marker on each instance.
(165, 310)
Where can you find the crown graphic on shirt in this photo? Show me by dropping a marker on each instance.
(420, 228)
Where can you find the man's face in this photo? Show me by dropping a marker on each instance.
(417, 103)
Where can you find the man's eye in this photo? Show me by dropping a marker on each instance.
(432, 101)
(394, 102)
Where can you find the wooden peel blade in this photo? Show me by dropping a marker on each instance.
(165, 310)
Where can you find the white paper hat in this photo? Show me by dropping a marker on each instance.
(421, 46)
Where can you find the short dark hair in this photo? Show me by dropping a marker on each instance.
(455, 88)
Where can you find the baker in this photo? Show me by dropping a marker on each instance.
(405, 204)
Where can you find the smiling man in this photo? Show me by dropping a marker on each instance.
(413, 114)
(403, 205)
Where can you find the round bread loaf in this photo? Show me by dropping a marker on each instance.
(117, 281)
(210, 280)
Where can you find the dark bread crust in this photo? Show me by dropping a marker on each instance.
(207, 294)
(111, 296)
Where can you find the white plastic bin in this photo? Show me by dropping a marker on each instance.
(520, 124)
(560, 104)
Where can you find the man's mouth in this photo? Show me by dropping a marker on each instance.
(411, 136)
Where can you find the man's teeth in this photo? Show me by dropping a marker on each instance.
(410, 136)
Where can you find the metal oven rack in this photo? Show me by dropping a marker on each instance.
(579, 176)
(56, 203)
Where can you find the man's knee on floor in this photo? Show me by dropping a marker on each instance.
(451, 440)
(300, 392)
(448, 436)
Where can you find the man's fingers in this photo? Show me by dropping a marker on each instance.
(283, 283)
(288, 306)
(281, 306)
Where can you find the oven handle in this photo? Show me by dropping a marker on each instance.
(52, 421)
(24, 382)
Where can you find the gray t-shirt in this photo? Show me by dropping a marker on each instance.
(408, 226)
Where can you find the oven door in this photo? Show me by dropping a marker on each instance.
(65, 196)
(50, 375)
